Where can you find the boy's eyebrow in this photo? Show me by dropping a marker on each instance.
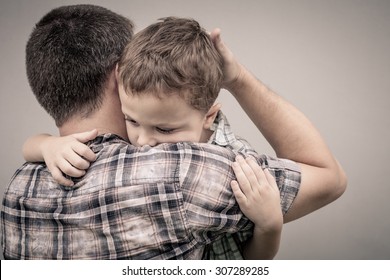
(167, 125)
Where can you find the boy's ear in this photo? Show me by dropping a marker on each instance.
(211, 115)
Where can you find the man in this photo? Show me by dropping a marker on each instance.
(143, 203)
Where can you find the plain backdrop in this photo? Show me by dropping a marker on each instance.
(331, 59)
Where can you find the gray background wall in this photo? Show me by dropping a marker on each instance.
(329, 58)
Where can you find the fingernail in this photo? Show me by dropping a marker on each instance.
(250, 159)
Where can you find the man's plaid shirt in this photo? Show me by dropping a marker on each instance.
(165, 202)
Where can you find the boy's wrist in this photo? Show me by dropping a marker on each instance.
(45, 145)
(274, 227)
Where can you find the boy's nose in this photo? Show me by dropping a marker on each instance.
(144, 139)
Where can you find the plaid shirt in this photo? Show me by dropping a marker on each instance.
(165, 202)
(287, 176)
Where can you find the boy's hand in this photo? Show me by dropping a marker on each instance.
(68, 155)
(232, 69)
(257, 195)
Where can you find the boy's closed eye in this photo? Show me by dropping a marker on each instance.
(165, 130)
(131, 121)
(161, 130)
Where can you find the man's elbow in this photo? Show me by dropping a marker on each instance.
(340, 182)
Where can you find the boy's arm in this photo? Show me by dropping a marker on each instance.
(289, 132)
(62, 155)
(258, 196)
(32, 150)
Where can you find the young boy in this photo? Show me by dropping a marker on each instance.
(169, 78)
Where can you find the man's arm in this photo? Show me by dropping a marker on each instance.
(289, 132)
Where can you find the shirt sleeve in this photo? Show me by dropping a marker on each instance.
(288, 179)
(287, 174)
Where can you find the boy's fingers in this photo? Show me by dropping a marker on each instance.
(84, 151)
(248, 171)
(240, 196)
(67, 168)
(271, 179)
(241, 177)
(59, 178)
(86, 136)
(77, 161)
(256, 169)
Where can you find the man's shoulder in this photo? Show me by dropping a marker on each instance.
(110, 145)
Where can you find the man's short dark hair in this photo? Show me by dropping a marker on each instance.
(69, 56)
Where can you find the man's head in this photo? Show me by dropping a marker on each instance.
(70, 55)
(173, 59)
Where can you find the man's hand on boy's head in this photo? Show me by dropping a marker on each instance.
(68, 155)
(232, 68)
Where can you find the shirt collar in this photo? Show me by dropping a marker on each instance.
(103, 140)
(222, 135)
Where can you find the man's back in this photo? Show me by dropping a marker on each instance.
(149, 203)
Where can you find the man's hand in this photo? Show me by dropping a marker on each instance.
(232, 69)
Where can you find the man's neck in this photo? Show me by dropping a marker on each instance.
(107, 119)
(82, 125)
(77, 125)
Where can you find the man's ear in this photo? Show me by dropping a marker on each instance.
(211, 115)
(111, 83)
(117, 71)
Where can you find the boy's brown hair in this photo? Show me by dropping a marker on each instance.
(173, 55)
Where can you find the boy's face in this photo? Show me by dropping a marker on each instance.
(151, 120)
